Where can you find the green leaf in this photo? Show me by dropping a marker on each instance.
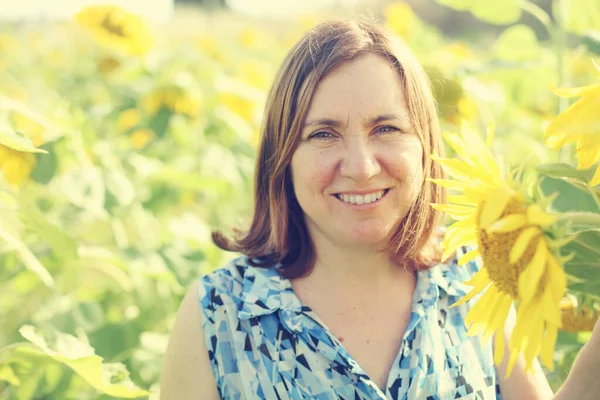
(562, 170)
(26, 256)
(7, 375)
(569, 197)
(497, 12)
(62, 244)
(85, 188)
(119, 185)
(581, 16)
(46, 166)
(111, 379)
(160, 122)
(188, 180)
(459, 5)
(591, 40)
(17, 140)
(585, 264)
(517, 43)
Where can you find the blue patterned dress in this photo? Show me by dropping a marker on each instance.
(264, 343)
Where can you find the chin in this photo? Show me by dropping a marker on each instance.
(368, 238)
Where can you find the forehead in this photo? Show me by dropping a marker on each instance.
(364, 85)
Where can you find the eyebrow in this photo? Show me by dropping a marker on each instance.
(334, 123)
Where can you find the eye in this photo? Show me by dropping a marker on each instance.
(321, 135)
(387, 129)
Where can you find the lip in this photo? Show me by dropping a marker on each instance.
(363, 206)
(362, 192)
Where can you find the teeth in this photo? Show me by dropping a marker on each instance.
(358, 199)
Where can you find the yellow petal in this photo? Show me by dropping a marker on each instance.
(490, 135)
(548, 346)
(576, 91)
(470, 256)
(508, 223)
(465, 172)
(456, 238)
(464, 200)
(521, 244)
(537, 216)
(557, 280)
(457, 144)
(498, 317)
(534, 343)
(588, 149)
(483, 308)
(499, 348)
(550, 308)
(530, 277)
(494, 206)
(454, 210)
(479, 281)
(578, 119)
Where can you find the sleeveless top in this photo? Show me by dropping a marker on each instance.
(264, 343)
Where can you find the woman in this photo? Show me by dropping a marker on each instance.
(340, 292)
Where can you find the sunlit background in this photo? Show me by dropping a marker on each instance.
(128, 133)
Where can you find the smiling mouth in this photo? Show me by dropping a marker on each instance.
(362, 199)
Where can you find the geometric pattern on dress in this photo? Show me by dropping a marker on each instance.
(264, 343)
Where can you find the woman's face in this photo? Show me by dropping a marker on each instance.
(358, 166)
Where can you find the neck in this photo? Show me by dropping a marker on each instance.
(356, 270)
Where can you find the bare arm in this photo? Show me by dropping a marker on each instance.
(186, 372)
(521, 386)
(583, 382)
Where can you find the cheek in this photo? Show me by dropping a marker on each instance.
(312, 172)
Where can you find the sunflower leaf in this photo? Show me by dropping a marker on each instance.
(111, 379)
(18, 141)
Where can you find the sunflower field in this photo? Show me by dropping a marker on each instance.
(123, 144)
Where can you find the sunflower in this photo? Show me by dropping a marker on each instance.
(16, 166)
(577, 320)
(513, 236)
(579, 124)
(117, 29)
(173, 98)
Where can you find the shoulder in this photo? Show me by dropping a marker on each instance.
(224, 284)
(187, 371)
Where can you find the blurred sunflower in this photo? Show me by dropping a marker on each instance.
(579, 124)
(116, 29)
(174, 98)
(401, 18)
(577, 320)
(141, 137)
(16, 166)
(128, 119)
(513, 236)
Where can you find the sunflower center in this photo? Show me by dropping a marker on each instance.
(113, 25)
(495, 249)
(579, 320)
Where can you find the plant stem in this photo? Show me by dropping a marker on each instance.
(559, 39)
(539, 14)
(583, 218)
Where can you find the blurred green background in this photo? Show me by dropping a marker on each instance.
(124, 141)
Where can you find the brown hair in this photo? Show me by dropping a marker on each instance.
(278, 233)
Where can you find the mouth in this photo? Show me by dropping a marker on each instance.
(362, 199)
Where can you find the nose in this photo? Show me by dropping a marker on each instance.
(359, 161)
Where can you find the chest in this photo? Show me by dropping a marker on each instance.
(371, 335)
